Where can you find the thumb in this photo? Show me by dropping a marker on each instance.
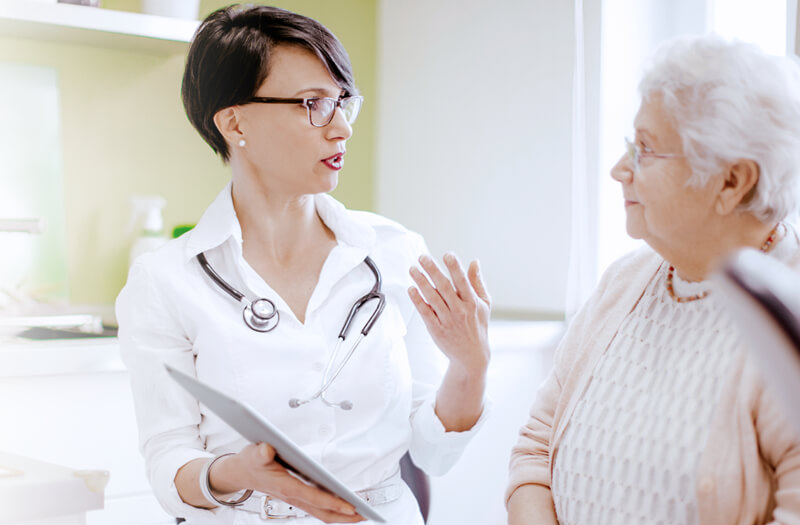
(266, 452)
(476, 280)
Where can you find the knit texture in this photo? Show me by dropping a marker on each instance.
(631, 451)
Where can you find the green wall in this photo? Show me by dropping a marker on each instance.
(124, 132)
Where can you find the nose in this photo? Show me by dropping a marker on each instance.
(623, 170)
(339, 128)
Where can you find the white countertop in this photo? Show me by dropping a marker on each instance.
(32, 490)
(60, 356)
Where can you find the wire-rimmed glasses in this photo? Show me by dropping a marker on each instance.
(320, 109)
(635, 153)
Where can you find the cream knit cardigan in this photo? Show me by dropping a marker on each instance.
(749, 472)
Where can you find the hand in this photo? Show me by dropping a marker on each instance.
(255, 467)
(456, 313)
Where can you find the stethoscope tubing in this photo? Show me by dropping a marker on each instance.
(230, 290)
(254, 320)
(264, 323)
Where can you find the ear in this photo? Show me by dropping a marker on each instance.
(227, 122)
(740, 180)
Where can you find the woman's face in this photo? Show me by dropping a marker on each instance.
(660, 207)
(285, 151)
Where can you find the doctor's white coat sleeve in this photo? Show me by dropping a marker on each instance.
(150, 335)
(433, 449)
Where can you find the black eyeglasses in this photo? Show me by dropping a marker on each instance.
(320, 109)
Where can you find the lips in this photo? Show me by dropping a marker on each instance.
(335, 162)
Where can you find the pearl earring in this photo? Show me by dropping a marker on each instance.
(242, 143)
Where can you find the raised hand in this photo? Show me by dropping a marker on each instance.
(455, 312)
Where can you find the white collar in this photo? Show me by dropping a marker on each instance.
(220, 223)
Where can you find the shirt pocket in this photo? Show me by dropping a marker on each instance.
(378, 370)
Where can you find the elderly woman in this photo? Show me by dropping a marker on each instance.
(653, 412)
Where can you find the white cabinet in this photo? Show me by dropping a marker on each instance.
(90, 25)
(70, 403)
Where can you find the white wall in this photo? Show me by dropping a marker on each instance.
(473, 492)
(474, 132)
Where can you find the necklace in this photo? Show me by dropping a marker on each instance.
(765, 248)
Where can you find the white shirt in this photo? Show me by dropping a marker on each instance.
(171, 312)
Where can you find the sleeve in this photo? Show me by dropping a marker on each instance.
(780, 447)
(530, 457)
(433, 449)
(168, 418)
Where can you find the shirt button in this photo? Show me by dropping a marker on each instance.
(324, 430)
(317, 367)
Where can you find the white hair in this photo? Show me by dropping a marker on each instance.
(729, 101)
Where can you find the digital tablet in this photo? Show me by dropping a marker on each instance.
(763, 297)
(257, 429)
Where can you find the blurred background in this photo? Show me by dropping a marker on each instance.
(488, 127)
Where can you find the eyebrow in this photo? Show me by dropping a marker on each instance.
(323, 92)
(647, 134)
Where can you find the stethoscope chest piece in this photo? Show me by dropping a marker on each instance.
(261, 315)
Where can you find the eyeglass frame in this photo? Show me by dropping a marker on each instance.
(337, 103)
(634, 152)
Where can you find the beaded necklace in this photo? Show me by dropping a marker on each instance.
(696, 297)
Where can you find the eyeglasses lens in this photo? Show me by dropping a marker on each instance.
(321, 110)
(633, 153)
(350, 107)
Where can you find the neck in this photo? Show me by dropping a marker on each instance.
(274, 224)
(695, 260)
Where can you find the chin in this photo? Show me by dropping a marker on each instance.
(331, 184)
(324, 184)
(634, 228)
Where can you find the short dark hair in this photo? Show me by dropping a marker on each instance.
(229, 59)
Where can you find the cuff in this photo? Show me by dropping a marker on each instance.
(433, 448)
(164, 484)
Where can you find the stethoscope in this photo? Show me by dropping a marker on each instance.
(262, 316)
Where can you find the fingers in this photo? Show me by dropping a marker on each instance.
(425, 311)
(439, 291)
(443, 285)
(333, 517)
(274, 479)
(460, 282)
(476, 279)
(316, 501)
(428, 291)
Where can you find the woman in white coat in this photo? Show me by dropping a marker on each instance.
(272, 93)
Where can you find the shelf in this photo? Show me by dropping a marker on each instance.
(60, 357)
(94, 26)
